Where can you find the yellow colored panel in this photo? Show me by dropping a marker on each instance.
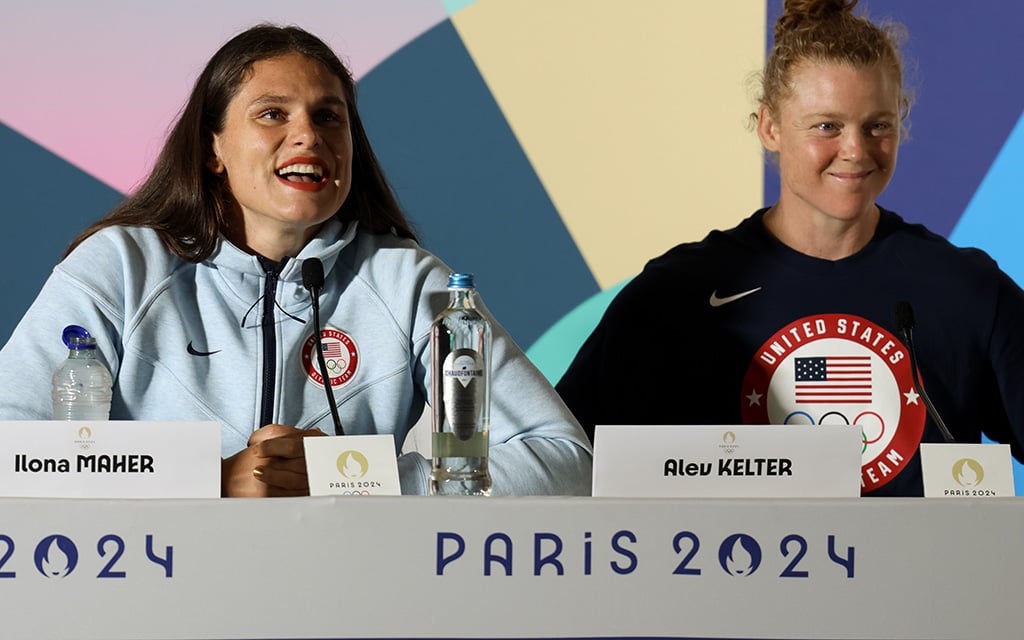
(634, 113)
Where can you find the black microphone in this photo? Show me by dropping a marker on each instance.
(905, 323)
(313, 280)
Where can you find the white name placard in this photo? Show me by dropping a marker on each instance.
(109, 459)
(746, 461)
(352, 466)
(966, 470)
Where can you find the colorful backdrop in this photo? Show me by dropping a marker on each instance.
(549, 146)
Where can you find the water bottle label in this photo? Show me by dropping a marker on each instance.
(463, 373)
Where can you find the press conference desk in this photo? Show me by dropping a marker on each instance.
(512, 568)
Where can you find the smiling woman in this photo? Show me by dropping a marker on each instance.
(836, 136)
(815, 279)
(193, 289)
(286, 150)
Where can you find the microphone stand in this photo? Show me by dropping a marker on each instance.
(313, 280)
(905, 322)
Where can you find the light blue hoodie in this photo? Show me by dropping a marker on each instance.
(186, 341)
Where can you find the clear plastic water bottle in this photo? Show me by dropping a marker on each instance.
(82, 386)
(460, 346)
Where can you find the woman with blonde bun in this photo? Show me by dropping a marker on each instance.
(790, 317)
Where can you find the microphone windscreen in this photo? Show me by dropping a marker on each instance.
(904, 315)
(312, 273)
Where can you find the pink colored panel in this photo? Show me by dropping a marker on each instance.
(99, 82)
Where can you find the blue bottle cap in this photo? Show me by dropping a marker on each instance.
(460, 281)
(76, 337)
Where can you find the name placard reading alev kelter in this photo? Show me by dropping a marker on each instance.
(735, 461)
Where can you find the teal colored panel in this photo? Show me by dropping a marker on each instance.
(454, 6)
(554, 351)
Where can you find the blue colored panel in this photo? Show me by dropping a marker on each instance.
(993, 219)
(464, 180)
(47, 202)
(1018, 471)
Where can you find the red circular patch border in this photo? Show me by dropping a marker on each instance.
(808, 330)
(309, 357)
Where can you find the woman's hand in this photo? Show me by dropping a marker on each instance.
(273, 465)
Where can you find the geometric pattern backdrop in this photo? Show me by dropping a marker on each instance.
(551, 148)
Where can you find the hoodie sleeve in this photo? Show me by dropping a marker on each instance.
(71, 295)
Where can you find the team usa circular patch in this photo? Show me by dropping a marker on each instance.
(840, 369)
(340, 356)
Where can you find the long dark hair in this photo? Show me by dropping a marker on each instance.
(187, 204)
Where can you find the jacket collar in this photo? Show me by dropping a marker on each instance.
(333, 236)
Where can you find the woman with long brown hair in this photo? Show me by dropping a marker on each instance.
(193, 289)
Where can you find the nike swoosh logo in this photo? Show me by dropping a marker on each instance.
(193, 351)
(715, 301)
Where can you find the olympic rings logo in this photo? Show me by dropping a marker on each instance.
(866, 420)
(355, 492)
(341, 358)
(335, 366)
